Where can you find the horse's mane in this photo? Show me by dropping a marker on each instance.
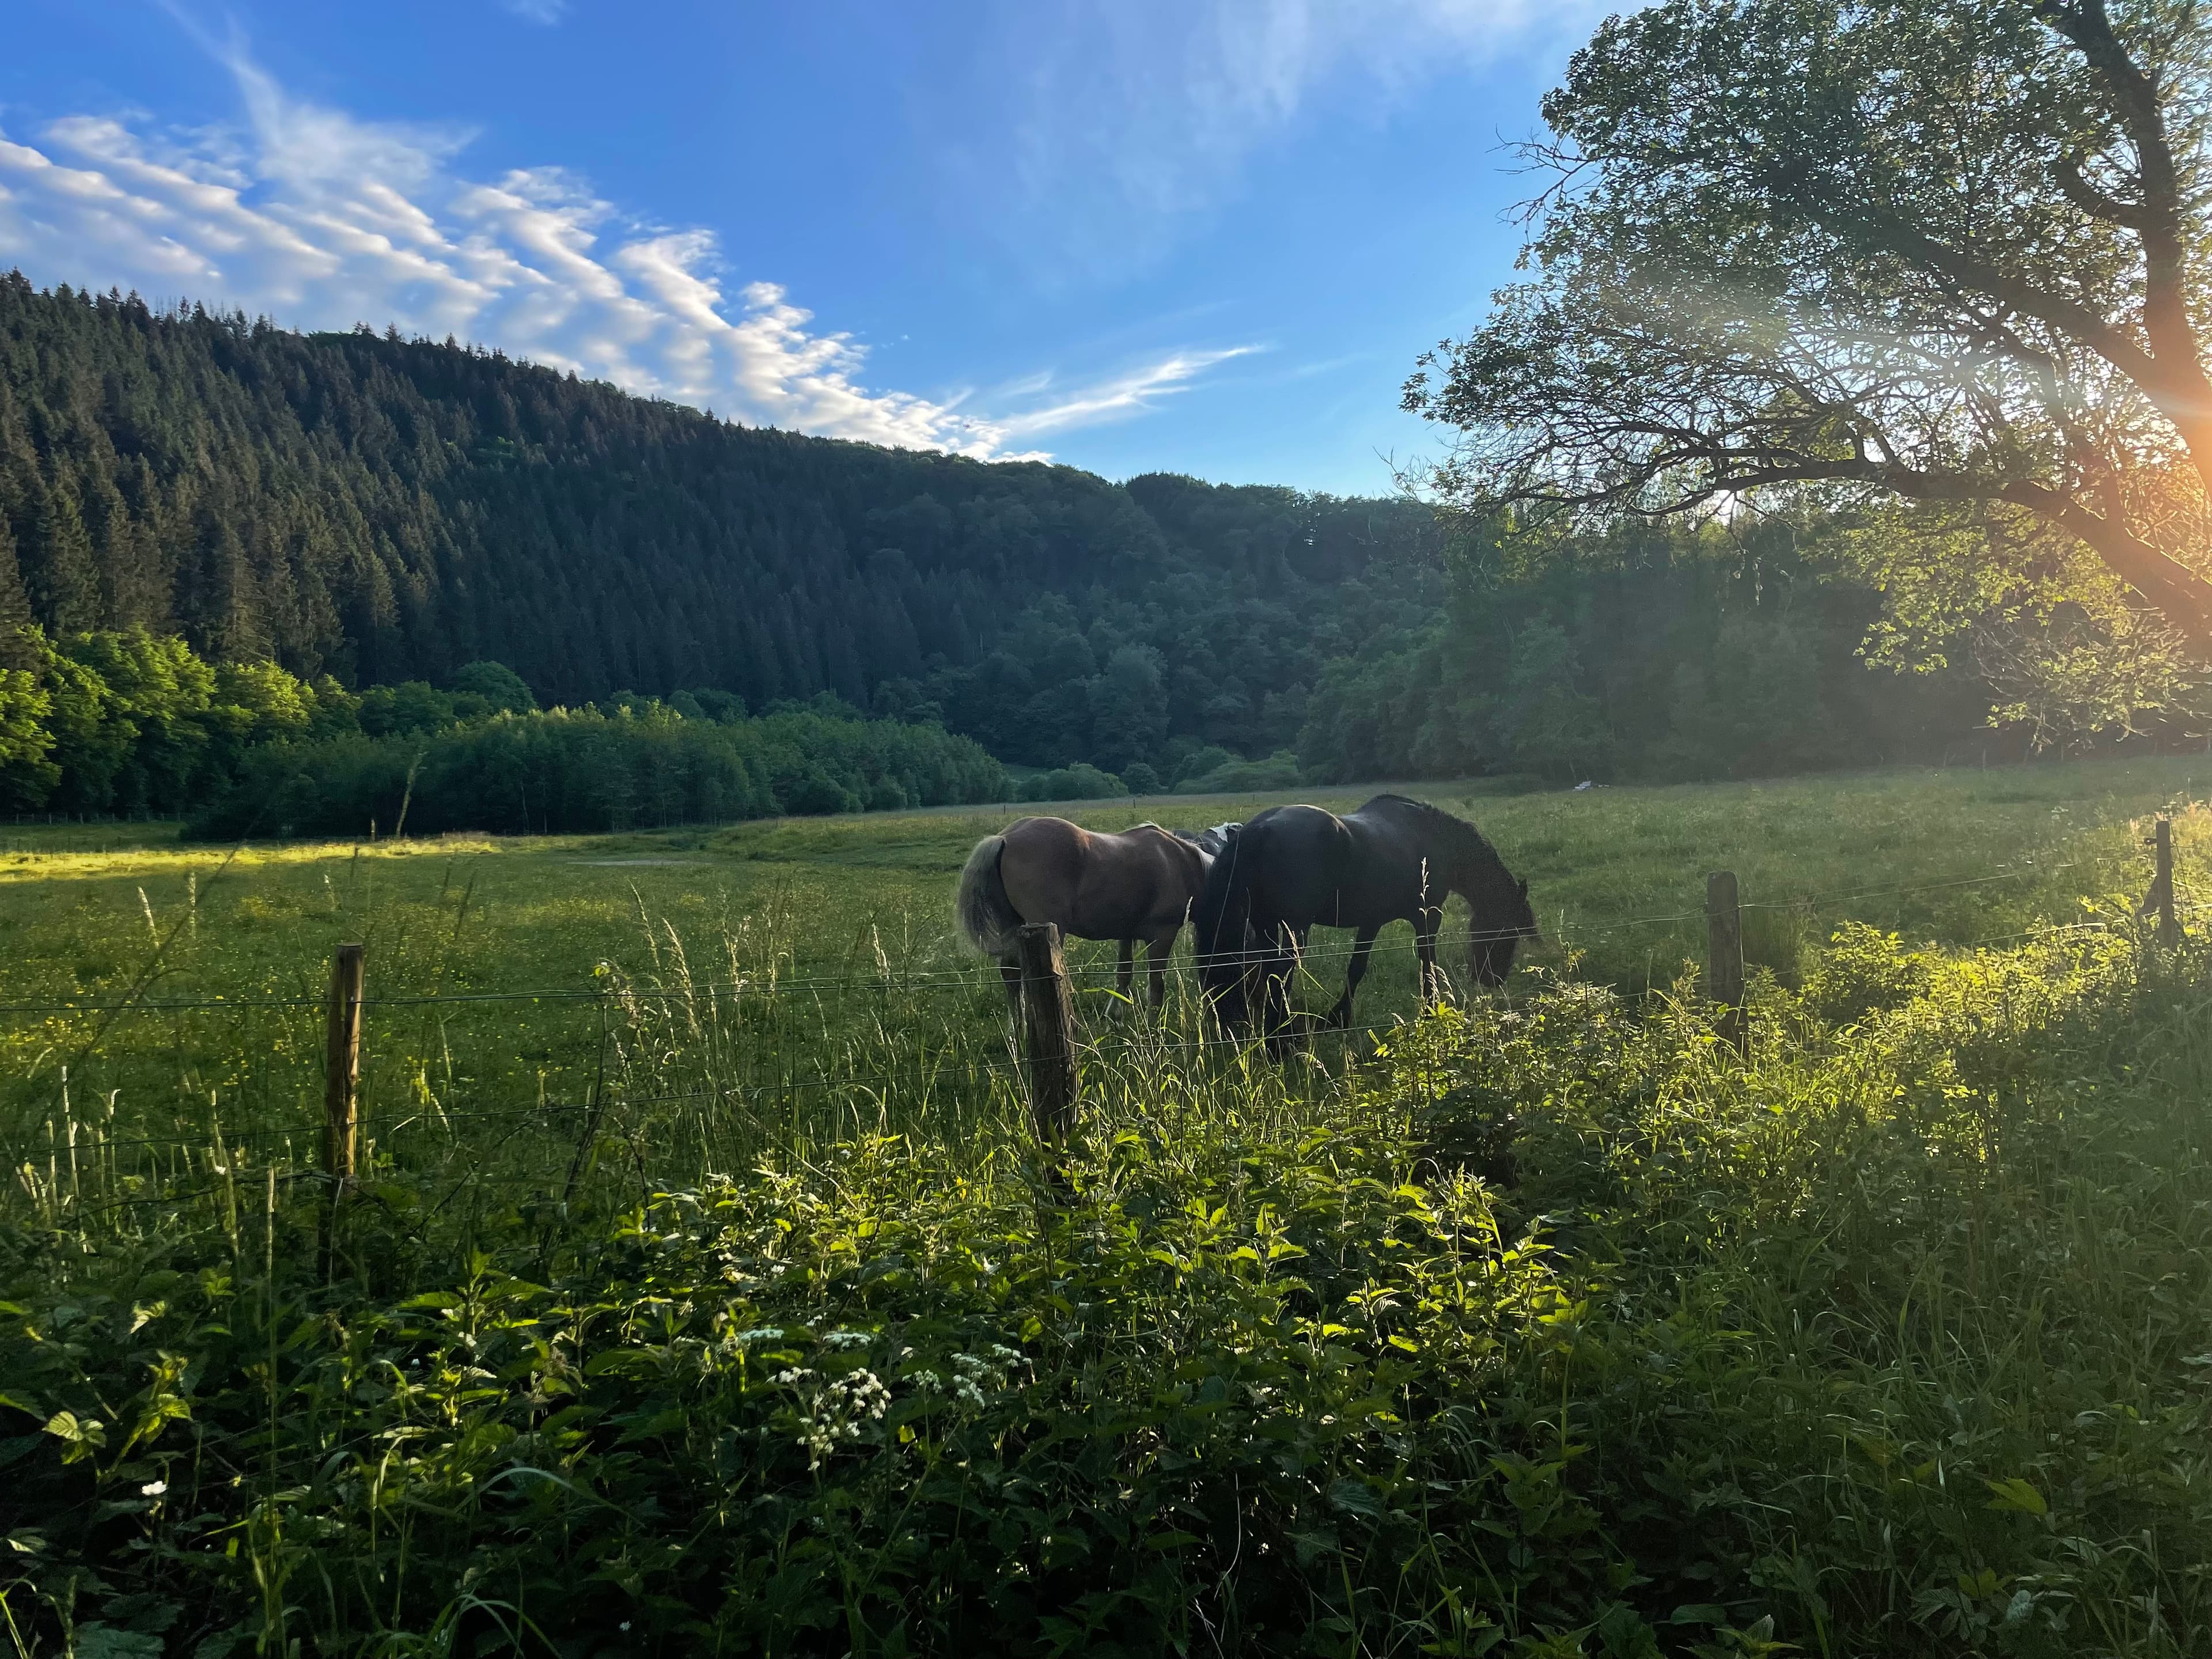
(1472, 858)
(1465, 839)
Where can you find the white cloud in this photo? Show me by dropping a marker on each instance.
(548, 12)
(322, 220)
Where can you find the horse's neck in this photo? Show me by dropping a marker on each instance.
(1433, 869)
(1445, 879)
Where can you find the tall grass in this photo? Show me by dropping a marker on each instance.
(1555, 1325)
(728, 1306)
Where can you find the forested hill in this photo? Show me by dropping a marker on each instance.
(386, 510)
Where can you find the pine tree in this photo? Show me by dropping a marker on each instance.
(17, 649)
(54, 555)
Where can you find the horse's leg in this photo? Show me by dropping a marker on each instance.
(1260, 953)
(1013, 976)
(1157, 949)
(1128, 968)
(1340, 1016)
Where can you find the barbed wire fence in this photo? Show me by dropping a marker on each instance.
(319, 1155)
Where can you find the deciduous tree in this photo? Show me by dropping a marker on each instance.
(1947, 251)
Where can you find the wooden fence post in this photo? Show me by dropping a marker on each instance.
(342, 1059)
(2161, 896)
(1725, 958)
(1048, 1027)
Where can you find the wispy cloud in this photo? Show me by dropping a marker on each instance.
(548, 12)
(322, 220)
(1117, 397)
(1128, 115)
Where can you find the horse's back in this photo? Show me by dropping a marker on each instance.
(1297, 856)
(1058, 840)
(1099, 884)
(1366, 868)
(1044, 834)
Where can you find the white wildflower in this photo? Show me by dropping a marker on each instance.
(975, 1377)
(869, 1394)
(835, 1410)
(154, 1488)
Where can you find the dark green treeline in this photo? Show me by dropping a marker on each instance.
(384, 510)
(377, 510)
(132, 725)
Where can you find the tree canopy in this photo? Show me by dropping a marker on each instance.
(1946, 251)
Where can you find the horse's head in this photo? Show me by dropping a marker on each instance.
(1496, 930)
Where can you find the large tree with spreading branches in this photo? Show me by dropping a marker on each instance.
(1945, 251)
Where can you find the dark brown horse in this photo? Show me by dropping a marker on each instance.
(1139, 884)
(1294, 867)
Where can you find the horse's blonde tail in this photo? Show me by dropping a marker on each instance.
(987, 916)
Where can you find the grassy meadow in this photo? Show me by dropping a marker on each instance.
(838, 931)
(704, 1289)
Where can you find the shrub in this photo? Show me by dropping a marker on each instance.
(817, 793)
(1211, 758)
(1865, 971)
(1081, 782)
(571, 772)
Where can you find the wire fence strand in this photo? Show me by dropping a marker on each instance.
(972, 976)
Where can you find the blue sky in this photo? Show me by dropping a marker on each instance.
(1208, 236)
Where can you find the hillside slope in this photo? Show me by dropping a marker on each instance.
(387, 509)
(384, 510)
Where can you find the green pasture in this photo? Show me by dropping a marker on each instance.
(2021, 844)
(165, 989)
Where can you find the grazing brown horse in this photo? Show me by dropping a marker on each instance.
(1139, 885)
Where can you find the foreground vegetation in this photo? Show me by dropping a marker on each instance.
(1543, 1326)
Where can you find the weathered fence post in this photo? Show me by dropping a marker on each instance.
(1725, 958)
(343, 1058)
(2161, 896)
(1048, 1027)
